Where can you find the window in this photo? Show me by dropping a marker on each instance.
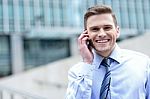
(43, 51)
(132, 14)
(41, 13)
(1, 17)
(5, 59)
(21, 13)
(11, 15)
(31, 6)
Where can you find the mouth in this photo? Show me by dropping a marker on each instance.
(102, 41)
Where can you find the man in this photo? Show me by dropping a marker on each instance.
(107, 71)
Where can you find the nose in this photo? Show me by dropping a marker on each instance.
(101, 33)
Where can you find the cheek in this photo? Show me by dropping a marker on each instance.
(114, 38)
(115, 35)
(91, 36)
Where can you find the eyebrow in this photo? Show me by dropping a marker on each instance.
(101, 26)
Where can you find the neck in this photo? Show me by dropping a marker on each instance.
(105, 53)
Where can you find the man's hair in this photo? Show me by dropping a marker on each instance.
(99, 9)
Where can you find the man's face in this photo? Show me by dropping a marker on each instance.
(103, 32)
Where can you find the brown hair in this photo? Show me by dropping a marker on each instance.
(99, 9)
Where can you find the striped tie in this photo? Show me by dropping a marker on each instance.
(105, 90)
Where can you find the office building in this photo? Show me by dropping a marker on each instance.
(36, 32)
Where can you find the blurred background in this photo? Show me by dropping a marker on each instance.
(38, 42)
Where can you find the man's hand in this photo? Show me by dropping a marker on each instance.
(86, 54)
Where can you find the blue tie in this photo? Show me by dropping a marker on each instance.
(105, 87)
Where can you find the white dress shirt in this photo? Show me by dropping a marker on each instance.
(130, 77)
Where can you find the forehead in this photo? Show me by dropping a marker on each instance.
(101, 19)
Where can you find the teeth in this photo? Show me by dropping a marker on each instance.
(102, 41)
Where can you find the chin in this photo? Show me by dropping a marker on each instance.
(103, 49)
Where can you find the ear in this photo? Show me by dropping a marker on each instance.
(117, 31)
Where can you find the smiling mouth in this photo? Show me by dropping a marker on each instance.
(103, 41)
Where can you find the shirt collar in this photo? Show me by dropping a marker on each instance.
(115, 56)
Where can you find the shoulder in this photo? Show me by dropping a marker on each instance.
(134, 57)
(134, 54)
(136, 61)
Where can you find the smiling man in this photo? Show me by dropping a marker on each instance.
(107, 71)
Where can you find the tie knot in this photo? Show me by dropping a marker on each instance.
(105, 62)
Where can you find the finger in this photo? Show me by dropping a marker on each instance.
(84, 34)
(82, 38)
(82, 44)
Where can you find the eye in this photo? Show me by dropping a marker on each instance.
(107, 28)
(95, 29)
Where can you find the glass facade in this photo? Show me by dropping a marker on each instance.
(11, 15)
(21, 16)
(1, 17)
(5, 57)
(39, 52)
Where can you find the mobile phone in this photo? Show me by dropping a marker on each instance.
(89, 44)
